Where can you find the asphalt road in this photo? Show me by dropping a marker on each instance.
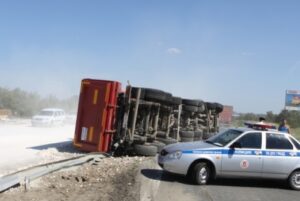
(163, 186)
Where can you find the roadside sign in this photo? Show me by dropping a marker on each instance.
(292, 100)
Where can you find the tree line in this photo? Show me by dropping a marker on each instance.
(26, 104)
(292, 117)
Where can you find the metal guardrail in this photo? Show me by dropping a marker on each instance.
(30, 174)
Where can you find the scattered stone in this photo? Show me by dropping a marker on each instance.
(112, 179)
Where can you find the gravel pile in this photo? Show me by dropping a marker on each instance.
(49, 155)
(64, 151)
(107, 179)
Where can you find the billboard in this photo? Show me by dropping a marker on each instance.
(292, 100)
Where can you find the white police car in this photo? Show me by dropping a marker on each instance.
(237, 152)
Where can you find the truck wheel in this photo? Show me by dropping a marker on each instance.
(150, 139)
(207, 135)
(145, 149)
(134, 91)
(186, 134)
(189, 108)
(197, 139)
(173, 135)
(191, 102)
(157, 95)
(139, 139)
(167, 140)
(159, 145)
(294, 180)
(175, 100)
(187, 139)
(201, 108)
(201, 173)
(198, 134)
(210, 106)
(161, 134)
(219, 107)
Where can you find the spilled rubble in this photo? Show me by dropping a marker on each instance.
(106, 179)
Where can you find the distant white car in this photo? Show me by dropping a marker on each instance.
(70, 118)
(49, 117)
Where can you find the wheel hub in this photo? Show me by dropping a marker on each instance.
(297, 179)
(203, 174)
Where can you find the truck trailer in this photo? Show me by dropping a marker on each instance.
(139, 120)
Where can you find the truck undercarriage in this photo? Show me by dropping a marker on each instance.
(140, 120)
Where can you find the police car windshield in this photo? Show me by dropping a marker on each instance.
(224, 138)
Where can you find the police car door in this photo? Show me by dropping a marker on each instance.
(280, 157)
(244, 159)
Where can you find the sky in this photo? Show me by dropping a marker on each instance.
(244, 53)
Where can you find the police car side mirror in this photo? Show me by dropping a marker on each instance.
(236, 145)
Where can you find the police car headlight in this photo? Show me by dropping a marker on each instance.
(175, 155)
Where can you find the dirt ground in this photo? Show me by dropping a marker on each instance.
(23, 145)
(109, 179)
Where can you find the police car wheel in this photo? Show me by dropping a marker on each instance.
(201, 173)
(294, 180)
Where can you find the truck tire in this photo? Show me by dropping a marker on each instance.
(157, 95)
(219, 107)
(191, 102)
(150, 138)
(186, 134)
(189, 108)
(167, 140)
(159, 145)
(161, 134)
(198, 134)
(201, 108)
(175, 100)
(197, 139)
(207, 135)
(173, 135)
(168, 99)
(134, 91)
(210, 106)
(145, 149)
(187, 139)
(139, 139)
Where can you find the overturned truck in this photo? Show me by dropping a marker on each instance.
(139, 120)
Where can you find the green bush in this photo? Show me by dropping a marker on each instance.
(25, 104)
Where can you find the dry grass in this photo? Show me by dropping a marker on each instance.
(296, 132)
